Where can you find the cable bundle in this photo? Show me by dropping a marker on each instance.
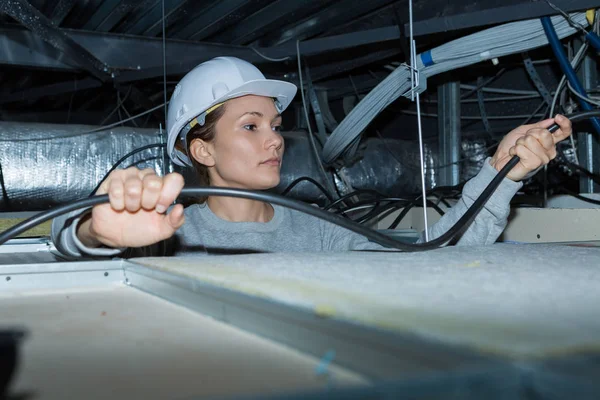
(491, 43)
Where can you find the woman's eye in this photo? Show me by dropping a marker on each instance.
(277, 128)
(250, 127)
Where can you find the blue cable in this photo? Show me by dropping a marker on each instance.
(567, 69)
(593, 39)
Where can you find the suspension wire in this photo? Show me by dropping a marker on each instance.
(414, 74)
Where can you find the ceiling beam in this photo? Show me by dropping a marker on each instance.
(175, 18)
(334, 15)
(344, 86)
(344, 67)
(136, 58)
(337, 42)
(271, 18)
(434, 16)
(115, 8)
(50, 90)
(121, 52)
(146, 17)
(35, 21)
(60, 12)
(216, 17)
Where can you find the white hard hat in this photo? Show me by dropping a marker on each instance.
(214, 82)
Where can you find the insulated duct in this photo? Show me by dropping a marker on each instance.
(474, 152)
(391, 167)
(45, 164)
(488, 44)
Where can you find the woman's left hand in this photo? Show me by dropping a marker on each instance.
(534, 144)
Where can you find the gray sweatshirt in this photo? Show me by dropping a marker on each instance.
(293, 231)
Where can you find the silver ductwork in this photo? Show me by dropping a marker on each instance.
(45, 165)
(474, 152)
(390, 167)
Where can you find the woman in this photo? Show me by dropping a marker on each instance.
(224, 120)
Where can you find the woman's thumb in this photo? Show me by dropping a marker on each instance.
(174, 219)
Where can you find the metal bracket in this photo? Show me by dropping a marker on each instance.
(481, 103)
(537, 81)
(314, 103)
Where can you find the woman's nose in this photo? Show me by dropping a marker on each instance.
(275, 140)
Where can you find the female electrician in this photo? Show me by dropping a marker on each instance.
(224, 120)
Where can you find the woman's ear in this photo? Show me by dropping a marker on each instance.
(201, 151)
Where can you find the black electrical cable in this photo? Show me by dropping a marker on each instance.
(4, 192)
(398, 205)
(286, 202)
(398, 201)
(559, 188)
(125, 157)
(371, 214)
(378, 210)
(349, 195)
(446, 189)
(373, 235)
(580, 170)
(311, 180)
(443, 192)
(580, 197)
(406, 209)
(372, 201)
(442, 199)
(401, 216)
(436, 208)
(378, 197)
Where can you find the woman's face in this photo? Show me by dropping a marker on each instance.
(248, 147)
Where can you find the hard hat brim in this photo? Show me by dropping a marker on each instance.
(281, 90)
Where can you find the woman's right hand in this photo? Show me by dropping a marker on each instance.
(136, 214)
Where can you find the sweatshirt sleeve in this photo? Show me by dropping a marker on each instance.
(64, 236)
(484, 229)
(493, 217)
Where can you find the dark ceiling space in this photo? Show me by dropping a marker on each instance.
(98, 61)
